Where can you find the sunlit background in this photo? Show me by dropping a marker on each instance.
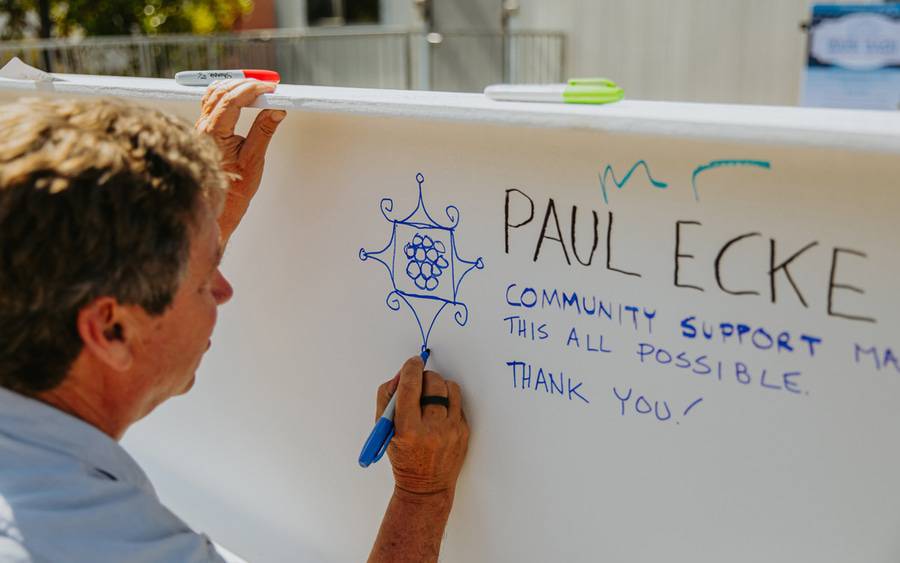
(734, 51)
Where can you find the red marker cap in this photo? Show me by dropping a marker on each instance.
(264, 75)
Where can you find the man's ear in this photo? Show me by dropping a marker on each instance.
(105, 328)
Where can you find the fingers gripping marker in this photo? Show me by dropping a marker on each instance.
(378, 440)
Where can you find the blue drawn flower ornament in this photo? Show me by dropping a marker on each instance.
(423, 264)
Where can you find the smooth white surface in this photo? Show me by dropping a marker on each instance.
(262, 453)
(827, 128)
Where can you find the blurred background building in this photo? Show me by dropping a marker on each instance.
(740, 51)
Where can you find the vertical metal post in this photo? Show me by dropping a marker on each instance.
(43, 8)
(409, 51)
(508, 8)
(430, 77)
(337, 11)
(144, 58)
(563, 71)
(504, 55)
(429, 40)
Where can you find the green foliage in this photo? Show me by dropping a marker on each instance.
(124, 17)
(15, 12)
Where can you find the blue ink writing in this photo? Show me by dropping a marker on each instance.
(881, 359)
(529, 330)
(622, 399)
(525, 376)
(690, 406)
(737, 371)
(642, 405)
(592, 343)
(637, 317)
(743, 334)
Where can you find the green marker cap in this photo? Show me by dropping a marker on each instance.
(592, 91)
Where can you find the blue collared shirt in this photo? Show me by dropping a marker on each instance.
(70, 493)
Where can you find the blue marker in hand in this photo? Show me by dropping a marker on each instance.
(381, 435)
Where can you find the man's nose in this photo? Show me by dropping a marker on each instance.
(222, 290)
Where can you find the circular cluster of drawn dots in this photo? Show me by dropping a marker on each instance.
(426, 261)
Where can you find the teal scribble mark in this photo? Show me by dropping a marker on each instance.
(719, 163)
(609, 171)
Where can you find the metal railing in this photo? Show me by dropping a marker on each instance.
(375, 57)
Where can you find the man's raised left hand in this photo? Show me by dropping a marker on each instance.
(242, 157)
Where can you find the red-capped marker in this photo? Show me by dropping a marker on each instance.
(207, 77)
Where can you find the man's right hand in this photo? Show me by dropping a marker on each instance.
(426, 453)
(430, 442)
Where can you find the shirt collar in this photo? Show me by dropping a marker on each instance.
(32, 421)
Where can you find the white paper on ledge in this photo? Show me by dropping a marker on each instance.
(15, 69)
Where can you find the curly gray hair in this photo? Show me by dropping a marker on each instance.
(97, 198)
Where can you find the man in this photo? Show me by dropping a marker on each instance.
(113, 220)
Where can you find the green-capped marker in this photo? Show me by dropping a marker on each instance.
(576, 91)
(592, 91)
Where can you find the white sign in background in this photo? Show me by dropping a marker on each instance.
(862, 51)
(861, 41)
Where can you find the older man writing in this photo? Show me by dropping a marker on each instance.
(113, 219)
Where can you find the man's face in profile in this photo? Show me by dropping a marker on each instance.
(173, 343)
